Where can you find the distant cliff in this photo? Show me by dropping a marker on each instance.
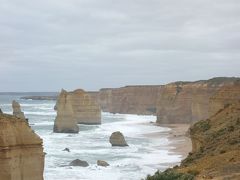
(188, 102)
(21, 150)
(225, 96)
(178, 102)
(129, 100)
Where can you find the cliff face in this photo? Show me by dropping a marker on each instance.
(86, 109)
(21, 150)
(215, 141)
(84, 106)
(187, 102)
(129, 100)
(216, 146)
(65, 121)
(225, 96)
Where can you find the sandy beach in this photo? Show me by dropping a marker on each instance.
(179, 142)
(178, 137)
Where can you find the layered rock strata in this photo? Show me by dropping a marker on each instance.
(17, 110)
(215, 146)
(188, 102)
(215, 142)
(65, 121)
(21, 150)
(85, 108)
(226, 95)
(129, 100)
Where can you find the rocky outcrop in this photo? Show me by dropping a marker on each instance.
(102, 163)
(21, 150)
(188, 102)
(129, 100)
(17, 110)
(65, 121)
(226, 95)
(117, 139)
(78, 162)
(85, 108)
(1, 111)
(179, 102)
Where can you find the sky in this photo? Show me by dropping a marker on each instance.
(91, 44)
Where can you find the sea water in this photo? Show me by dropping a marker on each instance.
(144, 155)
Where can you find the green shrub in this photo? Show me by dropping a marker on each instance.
(204, 125)
(170, 175)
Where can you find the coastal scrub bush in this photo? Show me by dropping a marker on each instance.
(170, 174)
(204, 125)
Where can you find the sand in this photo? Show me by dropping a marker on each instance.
(179, 140)
(178, 137)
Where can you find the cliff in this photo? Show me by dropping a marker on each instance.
(129, 100)
(84, 106)
(188, 102)
(65, 121)
(21, 150)
(215, 141)
(216, 146)
(225, 96)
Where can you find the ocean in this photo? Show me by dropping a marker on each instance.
(147, 151)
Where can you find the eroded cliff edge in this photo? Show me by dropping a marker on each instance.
(21, 150)
(139, 100)
(188, 102)
(178, 102)
(215, 141)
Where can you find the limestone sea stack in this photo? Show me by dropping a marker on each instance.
(17, 110)
(65, 121)
(85, 108)
(21, 150)
(117, 139)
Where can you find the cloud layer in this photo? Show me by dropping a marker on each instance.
(52, 44)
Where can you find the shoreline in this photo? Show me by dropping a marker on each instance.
(178, 139)
(179, 143)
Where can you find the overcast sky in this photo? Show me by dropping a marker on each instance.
(46, 45)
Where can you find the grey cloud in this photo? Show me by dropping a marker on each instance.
(46, 45)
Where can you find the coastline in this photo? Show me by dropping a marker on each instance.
(179, 143)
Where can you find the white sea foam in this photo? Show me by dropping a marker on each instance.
(144, 155)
